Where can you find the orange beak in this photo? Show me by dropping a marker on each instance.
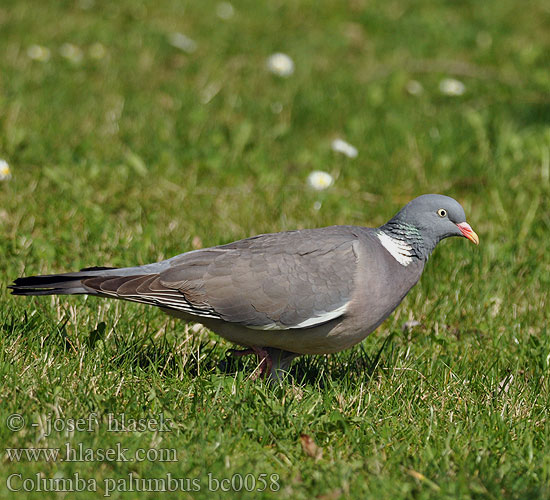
(468, 232)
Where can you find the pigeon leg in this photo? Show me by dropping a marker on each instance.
(273, 363)
(265, 364)
(281, 361)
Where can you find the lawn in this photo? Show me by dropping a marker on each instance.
(128, 143)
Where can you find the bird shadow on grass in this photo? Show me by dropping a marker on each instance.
(162, 356)
(321, 370)
(356, 364)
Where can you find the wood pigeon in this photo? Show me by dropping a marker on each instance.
(310, 291)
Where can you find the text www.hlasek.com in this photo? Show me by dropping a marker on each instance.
(80, 453)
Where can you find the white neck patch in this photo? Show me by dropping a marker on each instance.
(398, 249)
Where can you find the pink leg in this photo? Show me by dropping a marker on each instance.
(265, 361)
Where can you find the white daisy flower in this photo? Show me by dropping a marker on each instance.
(414, 87)
(225, 11)
(320, 180)
(341, 146)
(182, 42)
(71, 52)
(484, 40)
(38, 53)
(5, 172)
(277, 107)
(452, 87)
(280, 64)
(97, 51)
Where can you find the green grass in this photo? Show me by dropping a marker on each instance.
(126, 159)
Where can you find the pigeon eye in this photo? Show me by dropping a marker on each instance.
(442, 212)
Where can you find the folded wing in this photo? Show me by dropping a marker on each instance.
(297, 279)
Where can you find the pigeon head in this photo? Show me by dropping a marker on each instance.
(426, 220)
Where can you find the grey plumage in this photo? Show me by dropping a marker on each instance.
(310, 291)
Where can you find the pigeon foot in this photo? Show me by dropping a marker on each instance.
(273, 363)
(265, 364)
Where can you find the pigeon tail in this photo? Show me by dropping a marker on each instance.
(58, 284)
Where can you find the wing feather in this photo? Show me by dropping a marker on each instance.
(292, 280)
